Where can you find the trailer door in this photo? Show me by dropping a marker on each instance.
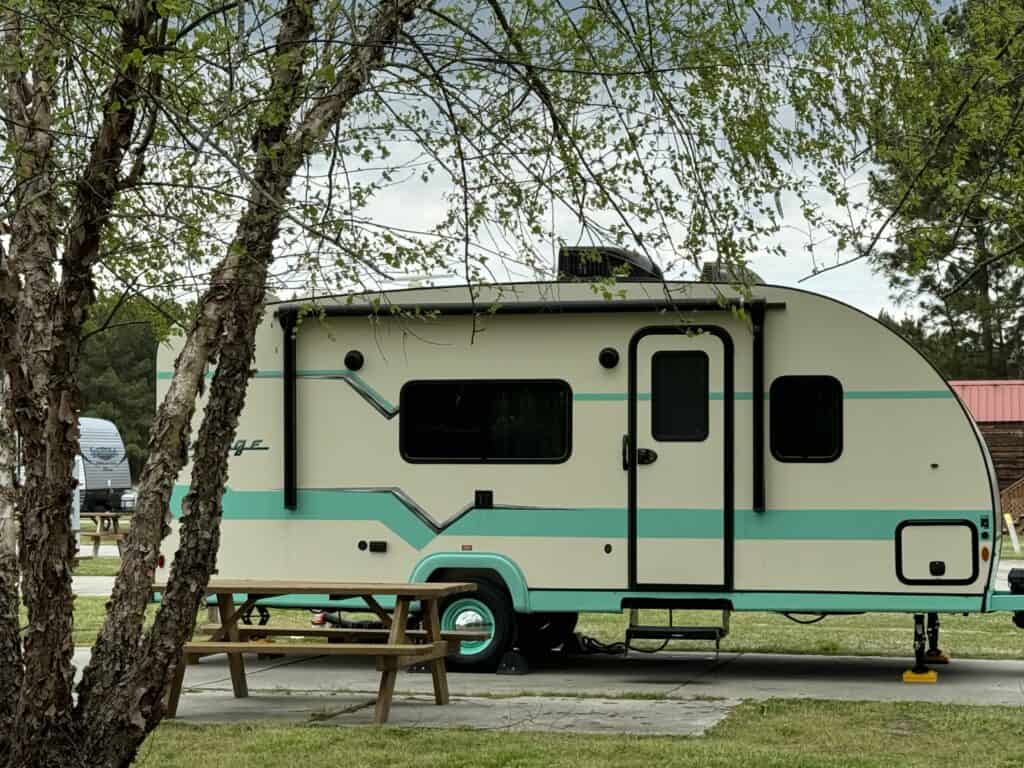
(678, 457)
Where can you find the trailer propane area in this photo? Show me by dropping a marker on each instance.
(681, 446)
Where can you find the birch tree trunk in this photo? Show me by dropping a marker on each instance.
(122, 694)
(10, 640)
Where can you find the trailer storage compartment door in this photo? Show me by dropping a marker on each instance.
(937, 552)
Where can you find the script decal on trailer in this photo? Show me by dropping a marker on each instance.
(241, 446)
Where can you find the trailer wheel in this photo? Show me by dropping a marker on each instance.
(489, 609)
(542, 632)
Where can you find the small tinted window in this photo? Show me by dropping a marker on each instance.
(469, 421)
(806, 418)
(679, 396)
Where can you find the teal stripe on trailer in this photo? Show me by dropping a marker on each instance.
(591, 522)
(583, 397)
(1005, 601)
(680, 523)
(860, 394)
(323, 504)
(571, 601)
(896, 394)
(385, 507)
(833, 524)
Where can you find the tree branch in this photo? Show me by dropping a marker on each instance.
(864, 253)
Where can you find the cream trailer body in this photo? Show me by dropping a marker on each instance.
(680, 445)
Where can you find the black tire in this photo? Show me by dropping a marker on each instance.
(490, 603)
(543, 632)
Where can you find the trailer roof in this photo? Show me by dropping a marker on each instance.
(991, 400)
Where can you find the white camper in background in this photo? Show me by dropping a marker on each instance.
(105, 465)
(76, 503)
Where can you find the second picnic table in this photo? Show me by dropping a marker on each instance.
(396, 652)
(108, 527)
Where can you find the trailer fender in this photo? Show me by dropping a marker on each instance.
(509, 572)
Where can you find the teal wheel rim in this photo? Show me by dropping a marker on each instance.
(469, 613)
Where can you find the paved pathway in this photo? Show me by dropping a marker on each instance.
(675, 693)
(93, 586)
(667, 693)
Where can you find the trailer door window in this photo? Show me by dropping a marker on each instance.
(472, 421)
(806, 418)
(679, 396)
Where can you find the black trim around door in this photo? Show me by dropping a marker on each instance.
(289, 324)
(727, 457)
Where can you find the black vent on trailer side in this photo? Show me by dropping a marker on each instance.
(584, 262)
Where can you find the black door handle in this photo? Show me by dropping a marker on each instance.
(646, 456)
(625, 452)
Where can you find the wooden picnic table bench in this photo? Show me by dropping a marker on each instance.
(106, 521)
(394, 646)
(108, 528)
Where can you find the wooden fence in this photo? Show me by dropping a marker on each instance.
(1012, 500)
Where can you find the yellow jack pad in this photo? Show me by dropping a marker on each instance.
(930, 676)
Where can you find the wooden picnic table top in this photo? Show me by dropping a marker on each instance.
(266, 588)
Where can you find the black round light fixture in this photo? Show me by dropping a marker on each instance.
(354, 360)
(608, 357)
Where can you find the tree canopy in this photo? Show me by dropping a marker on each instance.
(948, 143)
(221, 150)
(118, 368)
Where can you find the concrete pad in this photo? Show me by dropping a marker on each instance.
(521, 713)
(106, 550)
(761, 676)
(92, 586)
(668, 675)
(676, 693)
(665, 675)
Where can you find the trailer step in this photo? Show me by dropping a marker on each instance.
(641, 632)
(671, 631)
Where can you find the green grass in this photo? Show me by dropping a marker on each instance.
(988, 636)
(89, 614)
(794, 733)
(98, 566)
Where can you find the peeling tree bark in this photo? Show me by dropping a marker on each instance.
(117, 650)
(121, 695)
(41, 355)
(44, 419)
(233, 310)
(10, 640)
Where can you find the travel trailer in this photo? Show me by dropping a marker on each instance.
(681, 445)
(105, 465)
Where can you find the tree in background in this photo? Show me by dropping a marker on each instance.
(948, 140)
(118, 372)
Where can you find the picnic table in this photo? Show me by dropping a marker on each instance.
(394, 645)
(108, 527)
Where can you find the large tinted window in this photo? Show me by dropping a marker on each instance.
(679, 396)
(806, 418)
(486, 421)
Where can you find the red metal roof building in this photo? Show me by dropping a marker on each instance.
(998, 407)
(992, 401)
